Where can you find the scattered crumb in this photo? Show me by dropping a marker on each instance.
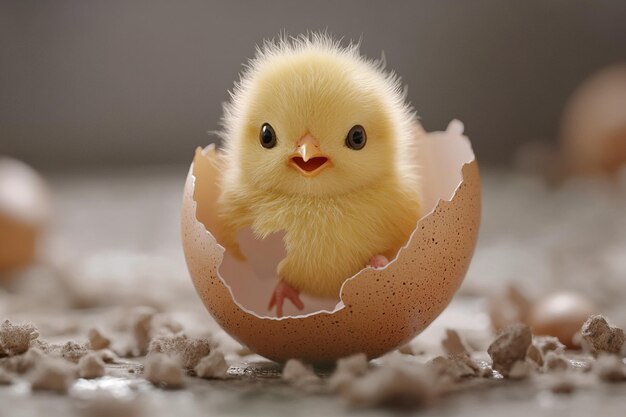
(609, 368)
(554, 361)
(456, 367)
(164, 325)
(509, 308)
(452, 343)
(163, 371)
(212, 366)
(73, 351)
(23, 363)
(189, 350)
(90, 366)
(546, 344)
(52, 374)
(600, 337)
(509, 347)
(520, 370)
(347, 369)
(16, 338)
(398, 386)
(297, 373)
(108, 356)
(46, 347)
(141, 321)
(97, 341)
(534, 354)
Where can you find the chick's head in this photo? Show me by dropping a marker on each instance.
(311, 117)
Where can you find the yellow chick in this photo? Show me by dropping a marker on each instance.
(319, 142)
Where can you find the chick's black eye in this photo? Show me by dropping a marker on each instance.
(267, 136)
(356, 138)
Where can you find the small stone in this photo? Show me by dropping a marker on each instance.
(555, 362)
(453, 345)
(189, 350)
(23, 363)
(91, 366)
(97, 341)
(212, 366)
(534, 354)
(509, 347)
(600, 337)
(73, 351)
(53, 374)
(163, 371)
(547, 344)
(16, 338)
(457, 367)
(141, 320)
(108, 356)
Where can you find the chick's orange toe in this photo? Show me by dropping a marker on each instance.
(281, 292)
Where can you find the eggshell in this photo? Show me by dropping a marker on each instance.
(24, 210)
(594, 123)
(380, 309)
(561, 315)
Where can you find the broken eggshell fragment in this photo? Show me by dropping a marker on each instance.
(379, 309)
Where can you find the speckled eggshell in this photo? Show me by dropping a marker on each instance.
(380, 309)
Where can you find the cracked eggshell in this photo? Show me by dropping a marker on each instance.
(24, 212)
(379, 309)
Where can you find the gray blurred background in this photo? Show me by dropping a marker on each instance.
(124, 83)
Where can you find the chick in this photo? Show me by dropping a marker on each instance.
(319, 142)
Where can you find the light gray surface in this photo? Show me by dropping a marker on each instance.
(126, 82)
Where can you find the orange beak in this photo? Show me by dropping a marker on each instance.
(308, 158)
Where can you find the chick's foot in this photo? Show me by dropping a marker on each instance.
(281, 292)
(378, 261)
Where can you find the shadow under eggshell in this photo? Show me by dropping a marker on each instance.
(380, 309)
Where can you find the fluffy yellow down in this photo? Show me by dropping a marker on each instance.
(366, 203)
